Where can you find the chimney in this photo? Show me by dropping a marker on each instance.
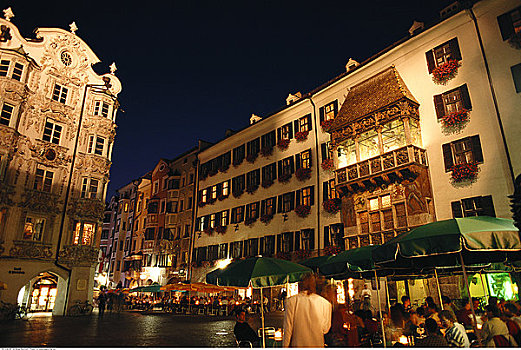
(416, 28)
(254, 118)
(293, 97)
(351, 64)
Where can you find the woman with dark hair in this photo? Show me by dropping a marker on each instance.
(494, 332)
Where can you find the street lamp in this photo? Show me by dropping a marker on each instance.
(106, 86)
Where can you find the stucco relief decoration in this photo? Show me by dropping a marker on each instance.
(87, 208)
(6, 194)
(14, 90)
(92, 164)
(5, 33)
(78, 254)
(7, 138)
(50, 154)
(31, 250)
(40, 201)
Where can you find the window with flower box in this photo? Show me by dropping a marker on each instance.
(285, 242)
(303, 159)
(324, 150)
(89, 188)
(238, 154)
(510, 23)
(6, 114)
(328, 111)
(305, 239)
(268, 140)
(253, 178)
(267, 245)
(304, 123)
(33, 228)
(52, 132)
(224, 217)
(251, 247)
(269, 172)
(252, 210)
(329, 191)
(286, 202)
(452, 101)
(204, 195)
(334, 235)
(17, 71)
(237, 214)
(4, 67)
(474, 206)
(59, 93)
(213, 220)
(286, 166)
(442, 54)
(253, 147)
(466, 150)
(305, 196)
(268, 206)
(43, 180)
(285, 132)
(223, 251)
(236, 249)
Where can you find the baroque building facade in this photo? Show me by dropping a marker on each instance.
(57, 129)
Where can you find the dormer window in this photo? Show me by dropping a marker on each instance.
(17, 71)
(60, 93)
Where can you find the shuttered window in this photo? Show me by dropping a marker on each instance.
(452, 101)
(328, 111)
(462, 151)
(303, 159)
(442, 54)
(285, 132)
(516, 76)
(510, 23)
(475, 206)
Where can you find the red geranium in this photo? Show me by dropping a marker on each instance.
(456, 118)
(284, 178)
(252, 157)
(301, 136)
(283, 144)
(303, 174)
(208, 230)
(464, 171)
(266, 218)
(267, 151)
(267, 183)
(333, 205)
(250, 221)
(332, 250)
(237, 162)
(445, 72)
(328, 164)
(325, 124)
(221, 229)
(302, 210)
(283, 255)
(201, 204)
(302, 253)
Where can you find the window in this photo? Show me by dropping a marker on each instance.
(286, 202)
(510, 23)
(52, 132)
(393, 135)
(252, 210)
(43, 180)
(223, 251)
(269, 172)
(33, 228)
(286, 166)
(153, 207)
(334, 235)
(236, 249)
(329, 191)
(442, 54)
(238, 154)
(368, 144)
(59, 93)
(285, 242)
(89, 188)
(253, 178)
(285, 132)
(237, 214)
(462, 151)
(6, 114)
(238, 183)
(304, 123)
(188, 229)
(303, 159)
(84, 234)
(267, 245)
(224, 218)
(17, 71)
(226, 188)
(213, 252)
(268, 140)
(214, 192)
(253, 147)
(181, 205)
(189, 203)
(324, 150)
(156, 186)
(149, 233)
(4, 67)
(204, 195)
(452, 101)
(380, 216)
(328, 111)
(191, 179)
(268, 206)
(516, 76)
(251, 247)
(346, 153)
(97, 145)
(101, 108)
(162, 209)
(475, 206)
(305, 239)
(212, 221)
(305, 196)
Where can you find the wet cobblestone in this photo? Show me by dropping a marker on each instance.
(126, 329)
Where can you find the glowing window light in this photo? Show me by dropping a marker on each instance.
(292, 289)
(340, 292)
(350, 288)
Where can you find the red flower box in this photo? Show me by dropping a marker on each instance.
(328, 164)
(267, 183)
(223, 168)
(208, 230)
(237, 162)
(455, 119)
(284, 178)
(252, 188)
(445, 72)
(266, 218)
(332, 250)
(302, 210)
(283, 144)
(266, 151)
(302, 254)
(221, 197)
(249, 221)
(301, 136)
(211, 200)
(221, 229)
(333, 205)
(326, 124)
(283, 256)
(237, 193)
(252, 157)
(464, 171)
(303, 174)
(213, 172)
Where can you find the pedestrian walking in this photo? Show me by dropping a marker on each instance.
(307, 316)
(102, 302)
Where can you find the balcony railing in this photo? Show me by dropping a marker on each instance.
(389, 161)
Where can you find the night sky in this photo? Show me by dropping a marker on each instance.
(192, 69)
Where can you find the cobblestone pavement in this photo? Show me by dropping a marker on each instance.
(126, 329)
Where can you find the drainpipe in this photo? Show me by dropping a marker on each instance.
(492, 92)
(195, 207)
(317, 166)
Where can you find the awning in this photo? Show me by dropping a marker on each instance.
(155, 288)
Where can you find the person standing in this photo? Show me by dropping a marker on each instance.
(102, 302)
(307, 316)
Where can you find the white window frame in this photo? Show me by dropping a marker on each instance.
(101, 108)
(40, 186)
(92, 145)
(13, 112)
(33, 221)
(53, 131)
(86, 188)
(62, 94)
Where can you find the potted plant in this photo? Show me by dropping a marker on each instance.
(284, 178)
(302, 210)
(445, 72)
(283, 255)
(325, 124)
(252, 157)
(464, 171)
(208, 230)
(301, 136)
(328, 164)
(252, 188)
(332, 250)
(201, 204)
(266, 218)
(266, 151)
(224, 167)
(221, 197)
(283, 144)
(303, 174)
(456, 119)
(267, 183)
(515, 41)
(332, 206)
(249, 221)
(211, 200)
(302, 254)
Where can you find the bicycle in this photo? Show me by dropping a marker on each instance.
(9, 312)
(81, 308)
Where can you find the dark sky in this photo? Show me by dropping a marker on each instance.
(192, 69)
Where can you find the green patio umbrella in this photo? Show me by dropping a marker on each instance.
(156, 288)
(316, 262)
(258, 272)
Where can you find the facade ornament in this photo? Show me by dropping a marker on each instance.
(73, 27)
(5, 33)
(8, 14)
(74, 255)
(86, 208)
(31, 250)
(40, 202)
(113, 68)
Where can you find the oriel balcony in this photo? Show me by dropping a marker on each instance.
(394, 166)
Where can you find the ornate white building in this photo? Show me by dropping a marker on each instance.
(57, 128)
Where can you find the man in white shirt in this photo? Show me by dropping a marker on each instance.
(307, 317)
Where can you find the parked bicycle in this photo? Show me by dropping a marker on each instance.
(80, 309)
(10, 312)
